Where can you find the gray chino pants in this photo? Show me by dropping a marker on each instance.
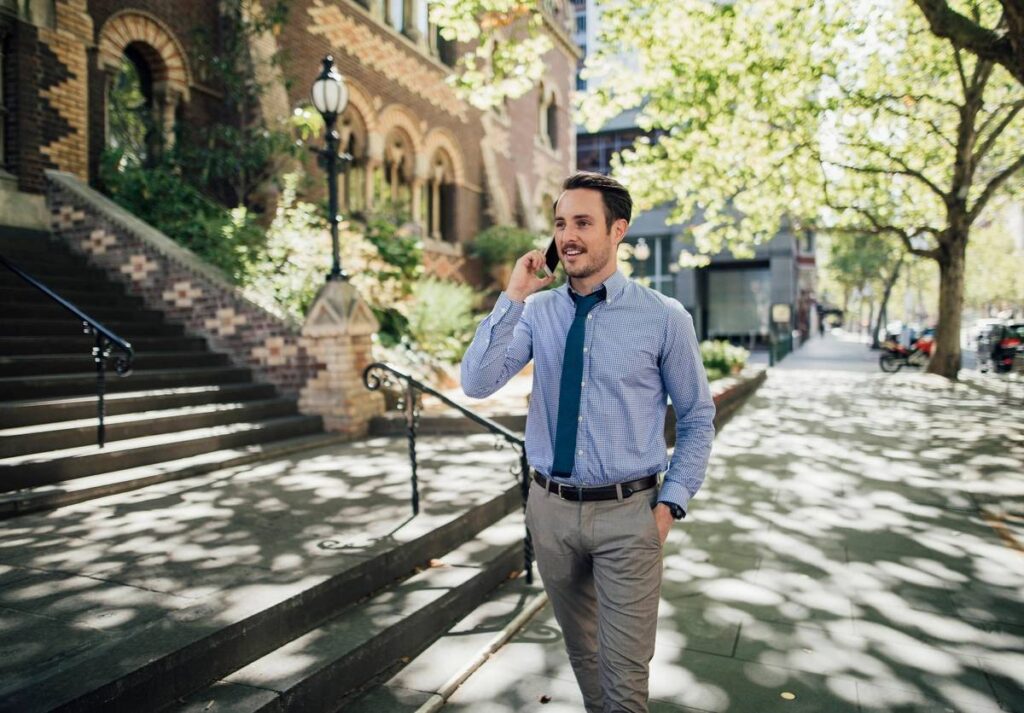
(601, 563)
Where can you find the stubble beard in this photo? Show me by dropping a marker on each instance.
(594, 264)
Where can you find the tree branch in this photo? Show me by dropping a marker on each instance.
(993, 186)
(960, 68)
(880, 170)
(990, 44)
(992, 137)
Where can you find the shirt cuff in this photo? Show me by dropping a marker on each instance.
(674, 493)
(507, 305)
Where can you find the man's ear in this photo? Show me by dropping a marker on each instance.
(619, 228)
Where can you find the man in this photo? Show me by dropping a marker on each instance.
(607, 351)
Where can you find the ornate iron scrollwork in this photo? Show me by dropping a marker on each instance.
(378, 374)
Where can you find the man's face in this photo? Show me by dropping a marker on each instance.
(585, 244)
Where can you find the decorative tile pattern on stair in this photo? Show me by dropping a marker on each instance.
(188, 293)
(138, 267)
(183, 294)
(66, 216)
(98, 242)
(275, 352)
(225, 322)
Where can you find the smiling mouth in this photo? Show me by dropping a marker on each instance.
(572, 252)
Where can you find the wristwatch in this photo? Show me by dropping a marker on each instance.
(677, 511)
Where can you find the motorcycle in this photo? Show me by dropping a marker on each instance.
(895, 356)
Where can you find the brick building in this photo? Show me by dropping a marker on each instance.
(416, 144)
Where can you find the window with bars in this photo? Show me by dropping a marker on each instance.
(594, 151)
(655, 271)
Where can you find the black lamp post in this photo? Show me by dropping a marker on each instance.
(330, 96)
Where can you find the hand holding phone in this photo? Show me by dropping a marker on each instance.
(551, 258)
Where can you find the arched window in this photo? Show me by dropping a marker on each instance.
(393, 182)
(352, 131)
(131, 116)
(547, 117)
(440, 198)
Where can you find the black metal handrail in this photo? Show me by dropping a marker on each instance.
(379, 373)
(106, 341)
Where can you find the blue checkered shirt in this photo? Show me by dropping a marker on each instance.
(639, 348)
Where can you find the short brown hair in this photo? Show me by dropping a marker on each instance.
(618, 205)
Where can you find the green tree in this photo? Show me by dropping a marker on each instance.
(862, 263)
(995, 267)
(848, 117)
(1000, 41)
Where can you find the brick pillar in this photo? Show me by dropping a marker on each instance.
(67, 92)
(338, 333)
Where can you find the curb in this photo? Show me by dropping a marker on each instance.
(438, 699)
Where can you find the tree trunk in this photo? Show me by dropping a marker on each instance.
(884, 311)
(945, 359)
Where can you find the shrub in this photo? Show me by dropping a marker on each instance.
(229, 239)
(503, 244)
(722, 358)
(441, 318)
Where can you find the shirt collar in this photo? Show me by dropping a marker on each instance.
(613, 286)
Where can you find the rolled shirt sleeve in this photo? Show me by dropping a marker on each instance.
(501, 347)
(686, 383)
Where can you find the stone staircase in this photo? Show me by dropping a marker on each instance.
(277, 597)
(183, 410)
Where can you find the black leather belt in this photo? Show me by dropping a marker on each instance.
(598, 492)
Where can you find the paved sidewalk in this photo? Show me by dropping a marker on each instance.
(217, 547)
(857, 547)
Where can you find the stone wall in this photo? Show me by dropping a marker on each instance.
(172, 280)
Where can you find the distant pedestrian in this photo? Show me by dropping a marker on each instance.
(607, 352)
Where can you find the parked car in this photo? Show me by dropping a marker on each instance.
(997, 345)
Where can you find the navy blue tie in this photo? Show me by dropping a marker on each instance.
(572, 382)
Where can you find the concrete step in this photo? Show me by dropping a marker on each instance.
(48, 262)
(109, 312)
(49, 497)
(69, 325)
(85, 299)
(47, 364)
(15, 233)
(60, 282)
(82, 432)
(15, 414)
(34, 470)
(392, 423)
(156, 664)
(50, 252)
(83, 343)
(316, 671)
(428, 680)
(54, 274)
(82, 383)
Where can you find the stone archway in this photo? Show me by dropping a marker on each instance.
(151, 40)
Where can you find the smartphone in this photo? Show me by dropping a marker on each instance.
(551, 257)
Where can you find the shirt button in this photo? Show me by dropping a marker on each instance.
(584, 350)
(580, 419)
(590, 316)
(579, 453)
(583, 383)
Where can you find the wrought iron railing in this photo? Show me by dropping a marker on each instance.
(106, 342)
(378, 374)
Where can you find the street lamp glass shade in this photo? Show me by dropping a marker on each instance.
(329, 93)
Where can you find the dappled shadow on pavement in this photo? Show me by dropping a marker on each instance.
(208, 550)
(856, 547)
